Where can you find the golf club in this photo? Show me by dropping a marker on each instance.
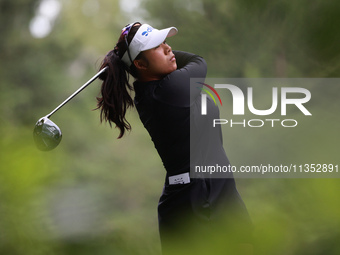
(46, 134)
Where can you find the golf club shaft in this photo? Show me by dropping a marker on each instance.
(77, 92)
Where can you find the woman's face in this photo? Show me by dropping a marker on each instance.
(161, 62)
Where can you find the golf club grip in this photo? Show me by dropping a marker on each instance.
(77, 91)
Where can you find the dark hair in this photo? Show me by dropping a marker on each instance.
(115, 89)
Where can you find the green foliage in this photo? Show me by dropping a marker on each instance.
(257, 38)
(95, 194)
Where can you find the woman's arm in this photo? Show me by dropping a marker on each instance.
(175, 88)
(191, 62)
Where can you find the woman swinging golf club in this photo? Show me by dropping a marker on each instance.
(195, 214)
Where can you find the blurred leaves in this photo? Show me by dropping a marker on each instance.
(257, 39)
(95, 194)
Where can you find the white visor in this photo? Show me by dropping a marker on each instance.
(146, 38)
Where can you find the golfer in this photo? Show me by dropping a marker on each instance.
(195, 214)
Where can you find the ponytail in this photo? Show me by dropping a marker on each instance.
(115, 91)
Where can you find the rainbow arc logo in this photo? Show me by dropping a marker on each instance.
(204, 96)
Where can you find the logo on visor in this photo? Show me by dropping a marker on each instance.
(148, 30)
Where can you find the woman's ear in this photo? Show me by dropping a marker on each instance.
(140, 64)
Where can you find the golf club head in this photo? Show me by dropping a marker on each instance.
(46, 134)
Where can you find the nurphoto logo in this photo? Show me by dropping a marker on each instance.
(238, 104)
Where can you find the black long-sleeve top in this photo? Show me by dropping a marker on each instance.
(170, 110)
(164, 109)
